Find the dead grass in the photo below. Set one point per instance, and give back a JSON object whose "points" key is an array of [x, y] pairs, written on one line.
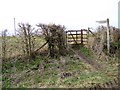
{"points": [[81, 74], [14, 46], [64, 72]]}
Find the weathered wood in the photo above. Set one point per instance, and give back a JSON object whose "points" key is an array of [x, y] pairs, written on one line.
{"points": [[73, 38], [76, 30], [81, 36], [77, 36], [108, 36], [78, 41], [108, 32], [91, 32]]}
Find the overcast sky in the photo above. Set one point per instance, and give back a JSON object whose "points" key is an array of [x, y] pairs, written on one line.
{"points": [[74, 14]]}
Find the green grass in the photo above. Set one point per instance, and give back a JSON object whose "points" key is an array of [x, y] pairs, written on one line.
{"points": [[86, 52], [82, 74]]}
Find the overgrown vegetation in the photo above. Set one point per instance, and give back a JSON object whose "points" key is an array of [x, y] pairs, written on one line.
{"points": [[65, 72], [23, 67], [55, 36], [99, 43]]}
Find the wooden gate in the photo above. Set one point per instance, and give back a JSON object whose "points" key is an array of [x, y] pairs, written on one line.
{"points": [[77, 36]]}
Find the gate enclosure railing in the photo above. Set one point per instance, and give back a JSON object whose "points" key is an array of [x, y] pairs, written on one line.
{"points": [[77, 36]]}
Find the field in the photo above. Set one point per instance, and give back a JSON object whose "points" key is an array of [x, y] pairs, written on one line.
{"points": [[64, 72], [14, 46]]}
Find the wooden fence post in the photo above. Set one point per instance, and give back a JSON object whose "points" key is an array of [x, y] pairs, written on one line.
{"points": [[76, 36], [81, 36], [108, 36], [66, 38]]}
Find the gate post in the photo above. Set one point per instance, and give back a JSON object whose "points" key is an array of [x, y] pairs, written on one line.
{"points": [[66, 38], [81, 36]]}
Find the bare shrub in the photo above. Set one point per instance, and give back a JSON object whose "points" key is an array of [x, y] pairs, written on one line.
{"points": [[27, 39], [55, 36]]}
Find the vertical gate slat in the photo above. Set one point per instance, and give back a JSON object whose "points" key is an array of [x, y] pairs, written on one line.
{"points": [[82, 37], [77, 36]]}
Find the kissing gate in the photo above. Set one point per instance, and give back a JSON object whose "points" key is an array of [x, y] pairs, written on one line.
{"points": [[77, 36]]}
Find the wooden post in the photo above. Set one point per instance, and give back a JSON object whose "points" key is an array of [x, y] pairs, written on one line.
{"points": [[14, 26], [108, 36], [102, 40], [81, 36], [88, 31], [66, 38], [77, 37], [108, 32]]}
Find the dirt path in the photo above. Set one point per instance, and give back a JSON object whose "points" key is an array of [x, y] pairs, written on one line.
{"points": [[84, 59], [111, 85]]}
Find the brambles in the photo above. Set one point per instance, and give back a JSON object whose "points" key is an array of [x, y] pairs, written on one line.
{"points": [[55, 36]]}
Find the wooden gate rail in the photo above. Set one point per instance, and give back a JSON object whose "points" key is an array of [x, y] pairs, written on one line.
{"points": [[77, 36]]}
